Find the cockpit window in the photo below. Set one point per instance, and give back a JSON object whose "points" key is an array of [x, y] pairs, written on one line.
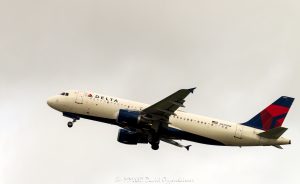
{"points": [[64, 94]]}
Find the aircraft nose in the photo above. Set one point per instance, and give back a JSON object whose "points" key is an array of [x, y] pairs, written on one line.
{"points": [[52, 101]]}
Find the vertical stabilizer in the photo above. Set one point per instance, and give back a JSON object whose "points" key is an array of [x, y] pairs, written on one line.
{"points": [[272, 116]]}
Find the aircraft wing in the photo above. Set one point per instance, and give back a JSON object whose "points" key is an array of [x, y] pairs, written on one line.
{"points": [[162, 110]]}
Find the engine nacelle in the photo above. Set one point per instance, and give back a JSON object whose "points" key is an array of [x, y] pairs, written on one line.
{"points": [[129, 118], [129, 137]]}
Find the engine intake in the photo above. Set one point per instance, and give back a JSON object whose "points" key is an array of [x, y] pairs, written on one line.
{"points": [[130, 118]]}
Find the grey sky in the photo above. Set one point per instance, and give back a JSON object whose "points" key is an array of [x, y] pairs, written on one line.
{"points": [[242, 55]]}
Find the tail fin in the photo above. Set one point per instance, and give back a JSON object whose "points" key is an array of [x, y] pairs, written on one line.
{"points": [[272, 116]]}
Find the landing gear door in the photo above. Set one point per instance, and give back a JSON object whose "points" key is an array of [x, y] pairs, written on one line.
{"points": [[79, 98], [238, 132]]}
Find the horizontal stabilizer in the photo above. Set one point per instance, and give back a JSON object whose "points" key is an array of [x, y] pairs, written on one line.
{"points": [[274, 133], [278, 146]]}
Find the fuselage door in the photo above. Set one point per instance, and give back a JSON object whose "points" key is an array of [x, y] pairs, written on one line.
{"points": [[79, 98], [238, 132]]}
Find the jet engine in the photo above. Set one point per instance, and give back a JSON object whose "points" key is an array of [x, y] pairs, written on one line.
{"points": [[130, 137], [128, 118]]}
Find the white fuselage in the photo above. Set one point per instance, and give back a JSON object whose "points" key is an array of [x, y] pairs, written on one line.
{"points": [[88, 104]]}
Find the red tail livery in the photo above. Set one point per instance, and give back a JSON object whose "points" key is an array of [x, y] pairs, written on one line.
{"points": [[272, 116]]}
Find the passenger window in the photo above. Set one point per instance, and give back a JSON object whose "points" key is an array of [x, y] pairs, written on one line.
{"points": [[67, 94]]}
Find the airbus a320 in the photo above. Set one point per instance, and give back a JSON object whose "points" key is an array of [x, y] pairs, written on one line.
{"points": [[165, 121]]}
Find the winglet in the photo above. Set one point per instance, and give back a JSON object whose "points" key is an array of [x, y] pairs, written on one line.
{"points": [[274, 133], [187, 147], [191, 90]]}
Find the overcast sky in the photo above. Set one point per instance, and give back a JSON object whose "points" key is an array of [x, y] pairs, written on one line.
{"points": [[241, 56]]}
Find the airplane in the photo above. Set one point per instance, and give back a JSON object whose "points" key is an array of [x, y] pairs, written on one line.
{"points": [[165, 121]]}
